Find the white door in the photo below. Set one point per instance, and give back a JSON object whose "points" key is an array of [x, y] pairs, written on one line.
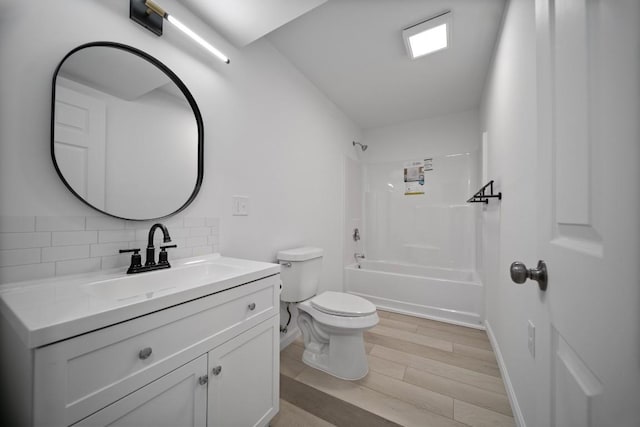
{"points": [[176, 399], [79, 143], [588, 358], [244, 378]]}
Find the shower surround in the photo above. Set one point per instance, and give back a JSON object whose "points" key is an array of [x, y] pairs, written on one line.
{"points": [[421, 249]]}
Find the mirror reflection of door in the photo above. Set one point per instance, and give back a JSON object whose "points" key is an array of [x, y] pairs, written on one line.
{"points": [[79, 129], [127, 135]]}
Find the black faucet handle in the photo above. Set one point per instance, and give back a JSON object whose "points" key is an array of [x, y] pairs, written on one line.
{"points": [[135, 251], [163, 257], [136, 259]]}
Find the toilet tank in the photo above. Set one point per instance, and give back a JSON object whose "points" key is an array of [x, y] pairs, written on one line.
{"points": [[300, 279]]}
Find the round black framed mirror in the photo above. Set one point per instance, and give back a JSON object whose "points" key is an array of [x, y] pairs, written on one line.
{"points": [[126, 134]]}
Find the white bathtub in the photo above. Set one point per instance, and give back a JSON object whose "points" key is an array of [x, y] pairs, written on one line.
{"points": [[453, 296]]}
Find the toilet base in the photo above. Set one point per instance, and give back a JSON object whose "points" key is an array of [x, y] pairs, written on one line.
{"points": [[337, 351]]}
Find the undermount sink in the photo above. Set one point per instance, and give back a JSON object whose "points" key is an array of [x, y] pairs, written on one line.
{"points": [[157, 283]]}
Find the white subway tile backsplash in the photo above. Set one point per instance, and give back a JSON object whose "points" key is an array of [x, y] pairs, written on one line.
{"points": [[61, 253], [180, 241], [196, 241], [24, 240], [139, 224], [60, 223], [138, 244], [194, 222], [19, 257], [174, 222], [17, 224], [116, 261], [77, 266], [27, 272], [45, 246], [142, 244], [199, 231], [141, 234], [104, 223], [180, 232], [109, 236], [180, 252], [202, 250], [66, 238], [107, 249]]}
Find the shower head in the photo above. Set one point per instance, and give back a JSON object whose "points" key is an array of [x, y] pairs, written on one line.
{"points": [[363, 147]]}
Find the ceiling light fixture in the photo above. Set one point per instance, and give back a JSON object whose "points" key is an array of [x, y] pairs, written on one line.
{"points": [[428, 36], [150, 15]]}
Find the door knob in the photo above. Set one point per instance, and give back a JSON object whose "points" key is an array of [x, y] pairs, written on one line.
{"points": [[520, 273]]}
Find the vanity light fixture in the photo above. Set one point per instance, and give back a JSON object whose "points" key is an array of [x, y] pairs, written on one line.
{"points": [[150, 15], [428, 36]]}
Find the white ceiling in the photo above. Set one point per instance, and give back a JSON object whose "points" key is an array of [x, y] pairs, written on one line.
{"points": [[244, 21], [353, 51]]}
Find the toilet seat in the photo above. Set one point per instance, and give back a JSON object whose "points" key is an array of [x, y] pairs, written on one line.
{"points": [[341, 322], [342, 304]]}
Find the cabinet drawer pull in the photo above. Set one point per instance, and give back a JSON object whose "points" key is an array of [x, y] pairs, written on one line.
{"points": [[216, 370], [252, 306], [145, 353], [203, 380]]}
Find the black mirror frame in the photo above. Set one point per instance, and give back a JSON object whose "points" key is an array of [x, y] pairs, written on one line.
{"points": [[175, 79]]}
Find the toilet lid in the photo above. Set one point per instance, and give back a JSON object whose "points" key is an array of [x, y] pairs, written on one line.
{"points": [[342, 304]]}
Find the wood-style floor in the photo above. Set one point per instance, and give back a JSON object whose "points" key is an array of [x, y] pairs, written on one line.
{"points": [[421, 373]]}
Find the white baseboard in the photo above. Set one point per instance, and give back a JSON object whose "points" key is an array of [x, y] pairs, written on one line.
{"points": [[515, 407]]}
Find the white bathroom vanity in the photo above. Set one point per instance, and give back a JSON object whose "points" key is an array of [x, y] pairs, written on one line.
{"points": [[193, 345]]}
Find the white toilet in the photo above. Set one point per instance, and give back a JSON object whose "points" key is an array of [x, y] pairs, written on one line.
{"points": [[332, 323]]}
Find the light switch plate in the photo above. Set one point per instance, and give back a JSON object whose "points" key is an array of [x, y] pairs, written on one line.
{"points": [[240, 205]]}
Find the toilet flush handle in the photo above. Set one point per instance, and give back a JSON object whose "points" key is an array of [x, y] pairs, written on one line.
{"points": [[285, 264]]}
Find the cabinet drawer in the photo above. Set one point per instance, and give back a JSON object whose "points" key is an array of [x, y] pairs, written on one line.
{"points": [[101, 367]]}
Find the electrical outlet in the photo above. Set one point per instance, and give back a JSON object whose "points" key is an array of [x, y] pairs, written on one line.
{"points": [[531, 339], [240, 205]]}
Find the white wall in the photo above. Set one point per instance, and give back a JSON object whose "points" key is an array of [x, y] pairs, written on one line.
{"points": [[509, 117], [269, 133], [438, 227], [435, 136]]}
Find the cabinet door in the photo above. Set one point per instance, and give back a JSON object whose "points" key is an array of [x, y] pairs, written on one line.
{"points": [[244, 378], [176, 399]]}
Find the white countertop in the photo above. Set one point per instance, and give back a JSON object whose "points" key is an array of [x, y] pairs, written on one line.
{"points": [[50, 310]]}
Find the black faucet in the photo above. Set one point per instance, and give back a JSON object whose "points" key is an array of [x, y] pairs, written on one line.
{"points": [[150, 265], [151, 251]]}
